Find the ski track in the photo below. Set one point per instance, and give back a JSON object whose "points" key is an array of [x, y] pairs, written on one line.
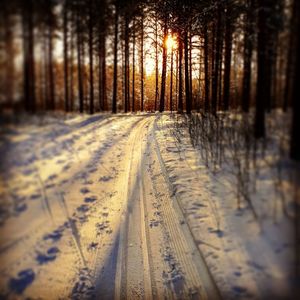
{"points": [[104, 225]]}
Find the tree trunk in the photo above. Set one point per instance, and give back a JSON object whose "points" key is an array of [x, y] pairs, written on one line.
{"points": [[262, 73], [50, 61], [66, 62], [180, 87], [164, 69], [126, 73], [191, 69], [9, 79], [290, 59], [215, 77], [91, 57], [248, 50], [133, 70], [227, 62], [115, 80], [72, 68], [186, 75], [28, 52], [295, 141], [176, 82], [206, 69], [171, 81], [142, 63], [156, 64]]}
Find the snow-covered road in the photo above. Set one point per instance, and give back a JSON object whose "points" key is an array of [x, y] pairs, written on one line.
{"points": [[87, 212]]}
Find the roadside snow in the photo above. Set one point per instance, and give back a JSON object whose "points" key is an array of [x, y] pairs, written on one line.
{"points": [[248, 258]]}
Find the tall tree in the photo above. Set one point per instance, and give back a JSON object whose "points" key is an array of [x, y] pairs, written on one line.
{"points": [[115, 79], [66, 50], [228, 50], [295, 141], [248, 50], [91, 55], [79, 56], [263, 86], [28, 54], [186, 73], [133, 68], [180, 83], [142, 60], [217, 57], [206, 69], [164, 66]]}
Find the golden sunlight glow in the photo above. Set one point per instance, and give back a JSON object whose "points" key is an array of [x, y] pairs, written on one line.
{"points": [[171, 42]]}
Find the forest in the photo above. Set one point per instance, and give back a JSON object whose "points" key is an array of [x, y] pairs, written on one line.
{"points": [[194, 102], [91, 56]]}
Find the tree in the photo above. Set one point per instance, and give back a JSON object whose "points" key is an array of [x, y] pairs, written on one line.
{"points": [[66, 50], [115, 79], [295, 142], [217, 57], [164, 66], [91, 54], [228, 50], [28, 56], [248, 50]]}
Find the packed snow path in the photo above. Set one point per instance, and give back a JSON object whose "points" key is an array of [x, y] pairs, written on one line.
{"points": [[90, 214]]}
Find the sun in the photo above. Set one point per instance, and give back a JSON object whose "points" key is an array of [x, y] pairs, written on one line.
{"points": [[171, 42]]}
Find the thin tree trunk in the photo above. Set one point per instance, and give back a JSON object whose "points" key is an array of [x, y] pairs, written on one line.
{"points": [[28, 50], [227, 63], [191, 69], [142, 63], [66, 62], [176, 82], [186, 68], [79, 62], [72, 69], [50, 60], [295, 141], [9, 57], [115, 80], [91, 57], [164, 69], [156, 64], [262, 85], [248, 50], [180, 87], [215, 77], [133, 70], [206, 69], [126, 73], [171, 81]]}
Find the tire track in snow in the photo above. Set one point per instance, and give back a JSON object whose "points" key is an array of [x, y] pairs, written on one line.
{"points": [[192, 260], [133, 248]]}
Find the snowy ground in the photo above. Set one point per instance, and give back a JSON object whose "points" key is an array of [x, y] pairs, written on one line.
{"points": [[113, 207]]}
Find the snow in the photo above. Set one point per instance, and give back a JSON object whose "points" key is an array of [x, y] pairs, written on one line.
{"points": [[114, 206], [248, 257]]}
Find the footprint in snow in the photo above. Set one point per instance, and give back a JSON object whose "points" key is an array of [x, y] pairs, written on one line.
{"points": [[83, 208], [35, 196], [84, 190], [239, 290], [23, 280], [44, 258], [51, 177], [19, 208], [105, 178], [92, 246], [90, 199], [93, 170], [54, 236]]}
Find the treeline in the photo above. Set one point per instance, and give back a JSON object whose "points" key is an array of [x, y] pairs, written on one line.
{"points": [[92, 55]]}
